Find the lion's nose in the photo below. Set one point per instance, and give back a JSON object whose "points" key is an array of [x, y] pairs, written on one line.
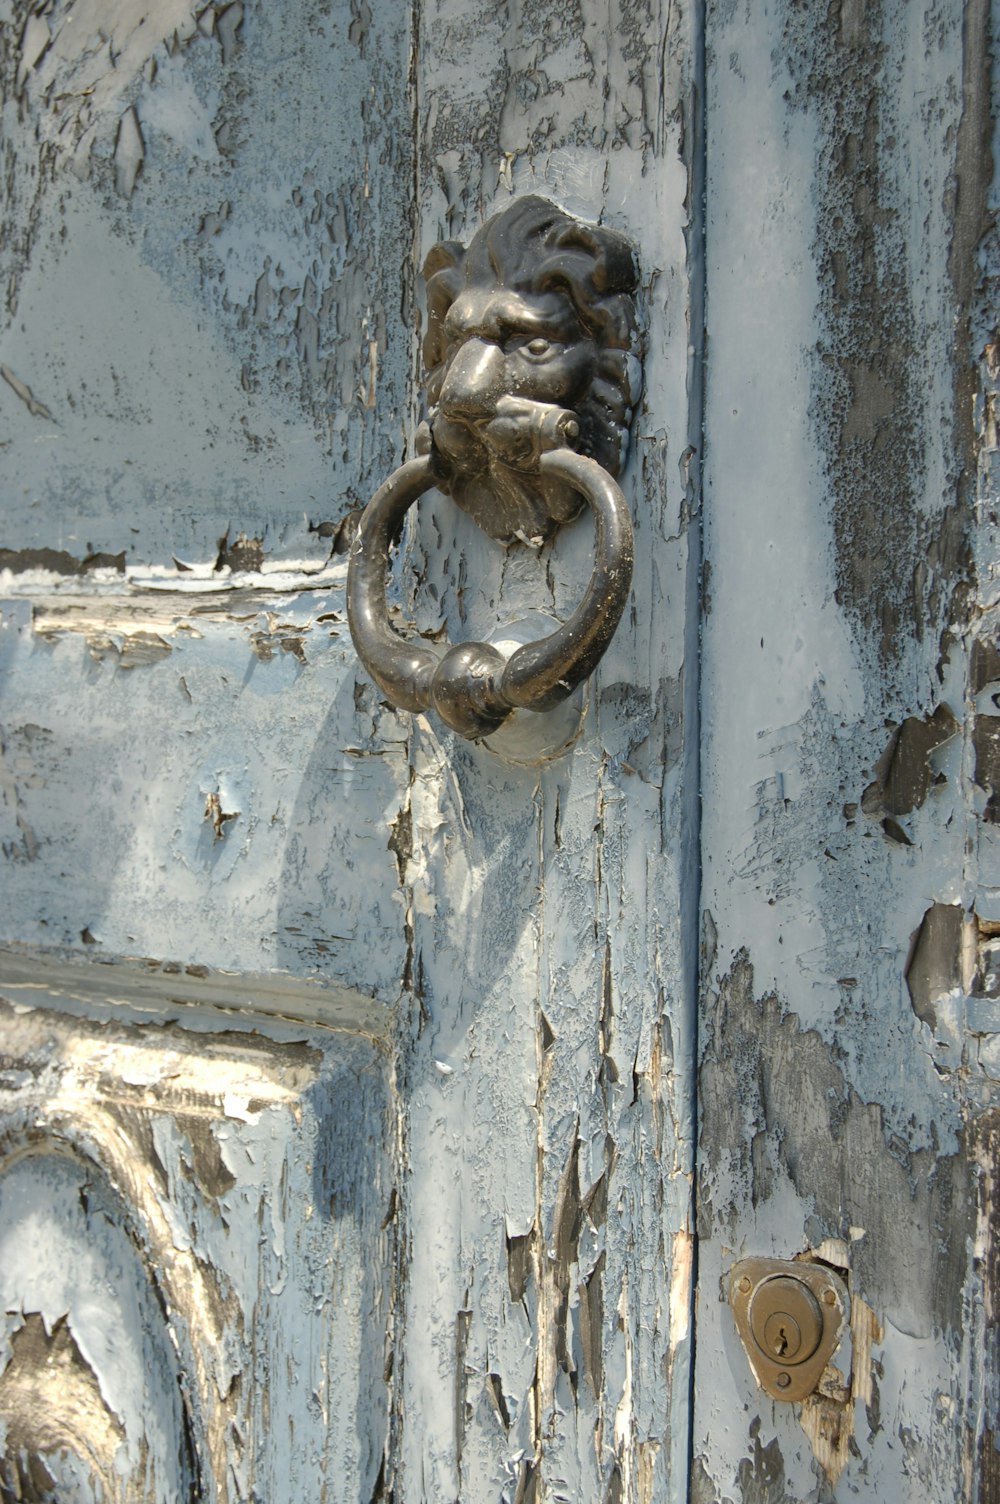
{"points": [[475, 380]]}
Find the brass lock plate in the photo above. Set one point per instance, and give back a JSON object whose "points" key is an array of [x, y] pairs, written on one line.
{"points": [[790, 1317]]}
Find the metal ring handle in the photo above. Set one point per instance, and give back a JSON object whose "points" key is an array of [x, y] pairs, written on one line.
{"points": [[471, 685]]}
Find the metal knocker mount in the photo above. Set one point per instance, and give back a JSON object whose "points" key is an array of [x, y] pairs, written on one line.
{"points": [[532, 377]]}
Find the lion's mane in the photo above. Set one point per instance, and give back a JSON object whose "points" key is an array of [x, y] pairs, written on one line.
{"points": [[534, 247]]}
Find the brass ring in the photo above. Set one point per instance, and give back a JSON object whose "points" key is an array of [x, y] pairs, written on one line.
{"points": [[471, 685]]}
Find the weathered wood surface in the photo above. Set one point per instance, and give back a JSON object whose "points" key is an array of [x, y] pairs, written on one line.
{"points": [[198, 777], [439, 1224], [848, 1041], [548, 1126], [205, 333], [198, 1256], [215, 224]]}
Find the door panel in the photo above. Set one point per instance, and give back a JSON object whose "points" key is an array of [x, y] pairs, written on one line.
{"points": [[206, 334], [198, 1252], [84, 1315], [192, 777]]}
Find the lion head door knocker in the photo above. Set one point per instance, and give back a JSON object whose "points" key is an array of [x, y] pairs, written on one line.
{"points": [[532, 379]]}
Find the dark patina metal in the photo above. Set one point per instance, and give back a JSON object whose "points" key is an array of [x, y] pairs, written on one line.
{"points": [[532, 376]]}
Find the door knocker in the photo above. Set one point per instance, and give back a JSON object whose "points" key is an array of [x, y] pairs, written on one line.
{"points": [[532, 376]]}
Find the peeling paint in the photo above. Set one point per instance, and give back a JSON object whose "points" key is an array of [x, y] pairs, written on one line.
{"points": [[850, 870], [58, 561], [131, 1161], [271, 316], [904, 772], [828, 1416], [986, 743], [938, 962], [217, 816], [129, 153], [895, 571]]}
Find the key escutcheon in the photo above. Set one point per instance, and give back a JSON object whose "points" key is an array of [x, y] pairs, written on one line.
{"points": [[790, 1315]]}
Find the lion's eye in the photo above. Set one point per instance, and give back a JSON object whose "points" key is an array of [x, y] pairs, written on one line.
{"points": [[538, 347]]}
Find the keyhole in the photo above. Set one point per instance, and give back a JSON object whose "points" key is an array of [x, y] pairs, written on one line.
{"points": [[781, 1337]]}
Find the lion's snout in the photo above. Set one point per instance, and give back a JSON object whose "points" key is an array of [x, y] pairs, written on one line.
{"points": [[475, 381]]}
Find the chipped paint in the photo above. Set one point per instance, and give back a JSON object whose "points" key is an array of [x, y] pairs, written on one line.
{"points": [[36, 409], [128, 1159], [255, 837], [849, 877], [362, 1061], [153, 184]]}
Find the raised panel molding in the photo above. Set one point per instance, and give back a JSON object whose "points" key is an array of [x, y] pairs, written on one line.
{"points": [[162, 1197]]}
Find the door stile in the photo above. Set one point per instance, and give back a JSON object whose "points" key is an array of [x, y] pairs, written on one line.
{"points": [[847, 1077], [552, 908]]}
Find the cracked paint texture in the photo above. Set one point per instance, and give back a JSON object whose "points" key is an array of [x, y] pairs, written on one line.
{"points": [[362, 1061], [846, 1083], [214, 826], [235, 182]]}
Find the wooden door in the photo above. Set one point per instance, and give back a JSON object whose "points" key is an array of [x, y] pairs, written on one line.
{"points": [[349, 1143], [347, 1113]]}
